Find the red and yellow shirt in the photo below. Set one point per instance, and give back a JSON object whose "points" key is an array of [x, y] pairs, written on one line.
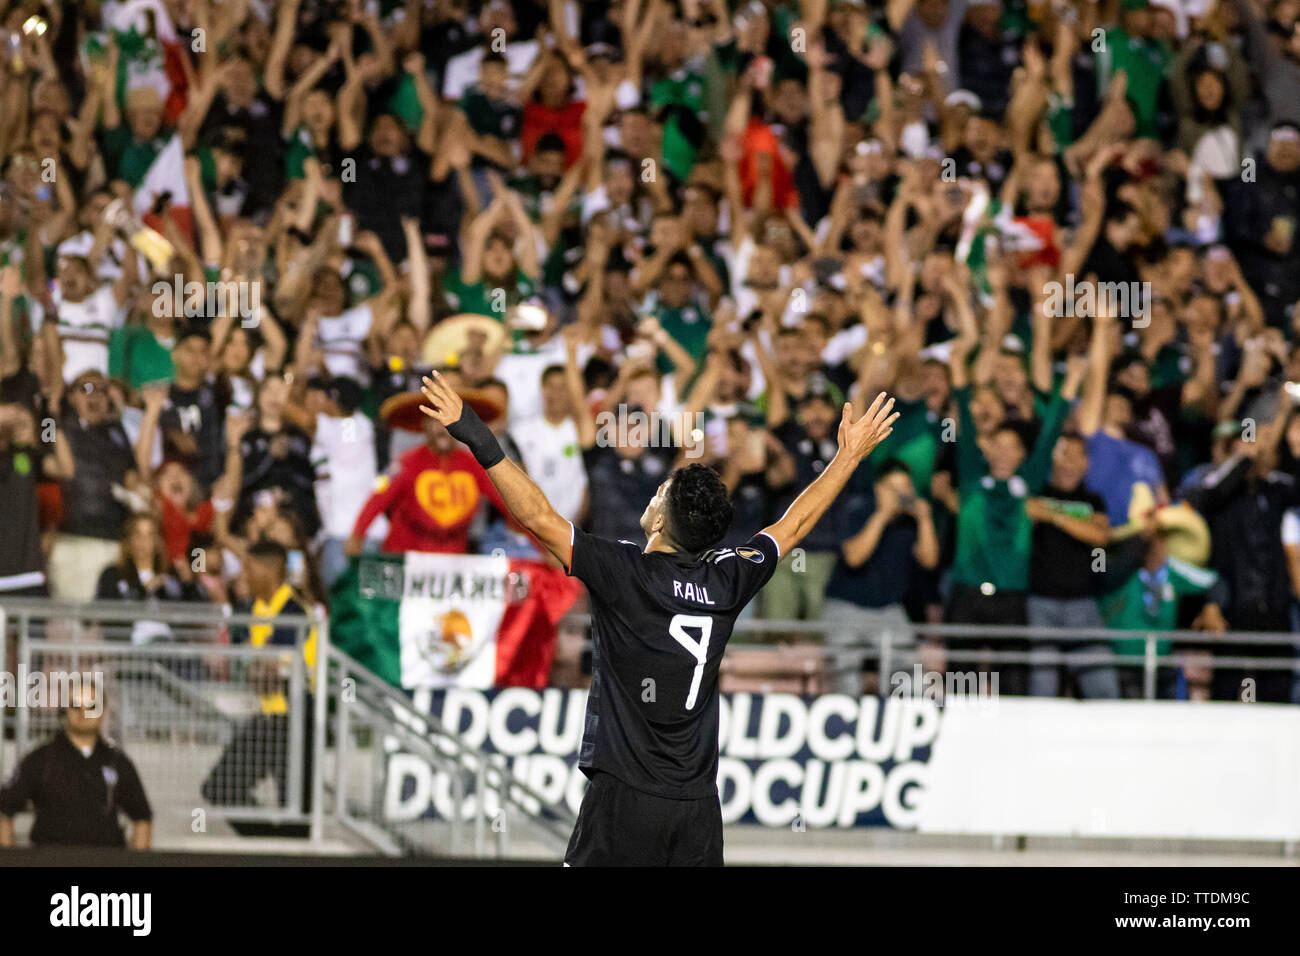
{"points": [[430, 502]]}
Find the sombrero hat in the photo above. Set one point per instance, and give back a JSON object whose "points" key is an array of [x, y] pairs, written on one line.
{"points": [[451, 336], [402, 411], [1185, 532]]}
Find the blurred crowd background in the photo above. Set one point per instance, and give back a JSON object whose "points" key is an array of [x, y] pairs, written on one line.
{"points": [[638, 233]]}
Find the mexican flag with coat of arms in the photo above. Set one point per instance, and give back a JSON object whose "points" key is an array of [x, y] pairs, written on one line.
{"points": [[423, 620]]}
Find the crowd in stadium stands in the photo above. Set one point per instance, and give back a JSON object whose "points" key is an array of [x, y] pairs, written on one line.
{"points": [[1061, 232]]}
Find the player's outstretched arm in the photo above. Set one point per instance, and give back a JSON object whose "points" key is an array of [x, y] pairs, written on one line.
{"points": [[527, 503], [856, 440]]}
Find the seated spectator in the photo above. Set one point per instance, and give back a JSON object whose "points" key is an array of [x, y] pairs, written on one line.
{"points": [[143, 573]]}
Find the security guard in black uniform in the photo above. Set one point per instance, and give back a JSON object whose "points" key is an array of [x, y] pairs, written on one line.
{"points": [[78, 784]]}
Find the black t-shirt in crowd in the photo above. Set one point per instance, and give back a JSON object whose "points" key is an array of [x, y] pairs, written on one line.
{"points": [[660, 623], [810, 458], [857, 80], [118, 583], [77, 797], [884, 578], [1156, 416], [1061, 566], [994, 172], [620, 488], [444, 40], [280, 461], [749, 501], [260, 125], [386, 189], [987, 65], [1111, 264], [197, 412], [102, 457], [21, 563], [22, 388], [385, 382]]}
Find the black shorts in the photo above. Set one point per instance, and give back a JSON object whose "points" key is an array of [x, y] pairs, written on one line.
{"points": [[620, 826]]}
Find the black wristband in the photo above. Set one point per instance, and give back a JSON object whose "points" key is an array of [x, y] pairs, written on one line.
{"points": [[477, 437]]}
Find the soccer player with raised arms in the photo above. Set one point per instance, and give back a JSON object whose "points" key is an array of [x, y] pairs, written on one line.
{"points": [[662, 614]]}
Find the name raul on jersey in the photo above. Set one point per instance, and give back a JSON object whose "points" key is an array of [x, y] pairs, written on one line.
{"points": [[692, 592]]}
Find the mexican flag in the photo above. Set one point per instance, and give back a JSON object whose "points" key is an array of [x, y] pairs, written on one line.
{"points": [[1031, 238], [150, 51], [449, 620], [166, 175]]}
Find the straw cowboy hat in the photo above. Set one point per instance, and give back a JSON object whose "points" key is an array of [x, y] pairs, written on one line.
{"points": [[452, 336], [1185, 532]]}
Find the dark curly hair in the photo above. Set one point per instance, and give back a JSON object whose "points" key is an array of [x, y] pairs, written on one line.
{"points": [[699, 508]]}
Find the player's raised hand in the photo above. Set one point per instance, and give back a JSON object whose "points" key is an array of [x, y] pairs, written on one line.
{"points": [[444, 404], [860, 437]]}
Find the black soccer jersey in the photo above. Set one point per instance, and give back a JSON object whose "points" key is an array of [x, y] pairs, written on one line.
{"points": [[660, 624]]}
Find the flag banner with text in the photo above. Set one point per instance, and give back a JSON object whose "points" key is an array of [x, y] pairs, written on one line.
{"points": [[451, 620]]}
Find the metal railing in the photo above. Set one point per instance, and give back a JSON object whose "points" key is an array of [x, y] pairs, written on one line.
{"points": [[898, 645], [215, 729], [373, 724], [235, 732]]}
